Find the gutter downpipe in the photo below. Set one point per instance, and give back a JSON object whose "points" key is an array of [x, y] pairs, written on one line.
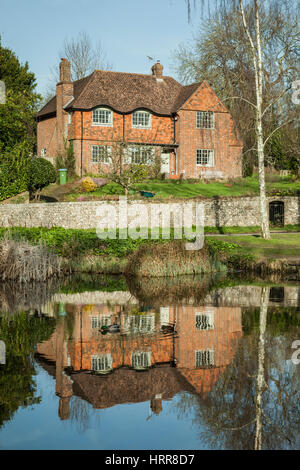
{"points": [[81, 144]]}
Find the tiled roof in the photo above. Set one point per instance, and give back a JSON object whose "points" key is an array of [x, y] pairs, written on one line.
{"points": [[125, 92]]}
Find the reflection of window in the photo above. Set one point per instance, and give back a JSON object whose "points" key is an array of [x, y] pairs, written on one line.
{"points": [[140, 359], [140, 323], [204, 321], [164, 315], [97, 322], [204, 358], [102, 362]]}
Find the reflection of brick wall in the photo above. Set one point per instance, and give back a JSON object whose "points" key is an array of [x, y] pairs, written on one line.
{"points": [[221, 339], [87, 342], [120, 346]]}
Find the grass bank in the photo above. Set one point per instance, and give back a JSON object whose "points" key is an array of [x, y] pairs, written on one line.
{"points": [[175, 189], [82, 251]]}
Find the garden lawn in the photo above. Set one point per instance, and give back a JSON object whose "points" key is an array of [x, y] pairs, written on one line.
{"points": [[281, 245], [175, 189]]}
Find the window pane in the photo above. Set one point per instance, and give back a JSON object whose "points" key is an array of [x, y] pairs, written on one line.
{"points": [[205, 157], [141, 156], [102, 116], [205, 120], [141, 119], [100, 153]]}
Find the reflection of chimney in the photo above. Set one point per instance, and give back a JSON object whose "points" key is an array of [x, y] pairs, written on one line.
{"points": [[63, 382], [156, 404], [64, 408], [157, 70]]}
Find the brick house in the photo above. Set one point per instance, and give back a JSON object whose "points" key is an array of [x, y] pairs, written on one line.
{"points": [[186, 127]]}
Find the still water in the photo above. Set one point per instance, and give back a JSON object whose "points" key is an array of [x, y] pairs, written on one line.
{"points": [[193, 363]]}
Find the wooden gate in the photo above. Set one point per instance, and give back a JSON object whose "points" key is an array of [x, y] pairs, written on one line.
{"points": [[276, 213]]}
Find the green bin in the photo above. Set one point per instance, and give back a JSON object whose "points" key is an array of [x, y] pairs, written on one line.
{"points": [[62, 175]]}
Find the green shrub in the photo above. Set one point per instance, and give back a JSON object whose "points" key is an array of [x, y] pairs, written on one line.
{"points": [[67, 160], [14, 170], [42, 173]]}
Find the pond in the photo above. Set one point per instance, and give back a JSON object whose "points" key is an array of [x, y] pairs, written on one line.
{"points": [[191, 363]]}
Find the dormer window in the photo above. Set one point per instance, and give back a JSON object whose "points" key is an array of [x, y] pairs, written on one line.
{"points": [[141, 119], [102, 117], [205, 120]]}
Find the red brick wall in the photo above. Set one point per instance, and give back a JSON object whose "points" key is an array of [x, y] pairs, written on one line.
{"points": [[46, 136], [223, 139]]}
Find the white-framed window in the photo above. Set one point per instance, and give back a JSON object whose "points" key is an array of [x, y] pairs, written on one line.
{"points": [[205, 157], [103, 320], [141, 119], [102, 362], [204, 358], [140, 323], [101, 153], [205, 120], [141, 359], [69, 118], [102, 117], [140, 155], [43, 152], [204, 320]]}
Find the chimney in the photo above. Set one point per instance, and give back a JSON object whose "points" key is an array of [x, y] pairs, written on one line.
{"points": [[64, 94], [157, 70], [64, 71]]}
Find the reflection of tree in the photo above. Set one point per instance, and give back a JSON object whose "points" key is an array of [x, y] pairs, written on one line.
{"points": [[17, 386], [255, 404], [80, 413]]}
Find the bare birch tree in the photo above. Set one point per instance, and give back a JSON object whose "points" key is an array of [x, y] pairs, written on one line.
{"points": [[84, 57], [254, 40]]}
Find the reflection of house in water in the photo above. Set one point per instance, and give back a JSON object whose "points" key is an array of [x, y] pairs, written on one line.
{"points": [[135, 365]]}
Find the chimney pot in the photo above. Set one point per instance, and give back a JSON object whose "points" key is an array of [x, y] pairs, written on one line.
{"points": [[157, 70]]}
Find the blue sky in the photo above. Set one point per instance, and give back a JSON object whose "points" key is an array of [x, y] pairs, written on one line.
{"points": [[129, 30]]}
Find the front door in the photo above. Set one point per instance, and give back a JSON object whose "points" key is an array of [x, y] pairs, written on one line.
{"points": [[165, 163]]}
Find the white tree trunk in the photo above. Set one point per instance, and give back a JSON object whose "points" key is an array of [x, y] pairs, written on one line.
{"points": [[257, 63], [259, 133]]}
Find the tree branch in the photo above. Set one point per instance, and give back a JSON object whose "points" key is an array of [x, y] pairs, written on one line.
{"points": [[277, 128]]}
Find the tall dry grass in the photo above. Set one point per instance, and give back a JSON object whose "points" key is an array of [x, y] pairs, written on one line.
{"points": [[22, 262], [169, 259]]}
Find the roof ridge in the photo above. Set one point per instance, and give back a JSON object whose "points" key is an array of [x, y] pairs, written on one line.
{"points": [[136, 73]]}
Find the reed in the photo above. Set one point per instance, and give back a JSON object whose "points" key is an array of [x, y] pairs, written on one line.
{"points": [[23, 263]]}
